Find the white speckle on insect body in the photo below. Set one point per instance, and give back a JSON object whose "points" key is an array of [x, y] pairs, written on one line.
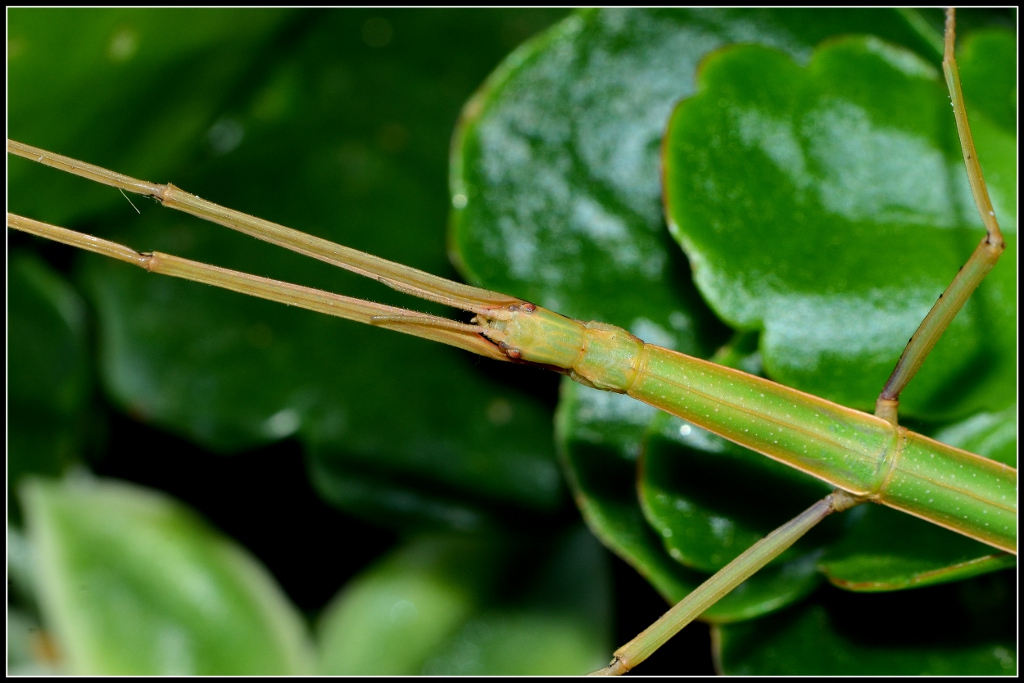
{"points": [[459, 201]]}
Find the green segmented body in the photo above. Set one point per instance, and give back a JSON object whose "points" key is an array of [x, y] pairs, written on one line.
{"points": [[852, 450]]}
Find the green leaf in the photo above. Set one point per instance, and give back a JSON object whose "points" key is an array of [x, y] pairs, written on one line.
{"points": [[993, 435], [49, 380], [401, 464], [887, 550], [132, 582], [468, 605], [555, 178], [25, 640], [599, 438], [390, 619], [709, 500], [828, 206], [573, 121], [556, 199], [957, 629]]}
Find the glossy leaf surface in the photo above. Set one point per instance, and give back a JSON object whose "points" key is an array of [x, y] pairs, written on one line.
{"points": [[555, 178], [566, 125], [856, 155]]}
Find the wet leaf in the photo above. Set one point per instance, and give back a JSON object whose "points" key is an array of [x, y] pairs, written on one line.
{"points": [[862, 257]]}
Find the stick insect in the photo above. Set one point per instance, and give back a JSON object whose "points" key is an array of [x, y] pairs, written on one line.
{"points": [[498, 333]]}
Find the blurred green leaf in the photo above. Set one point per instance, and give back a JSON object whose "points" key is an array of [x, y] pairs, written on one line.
{"points": [[25, 640], [473, 606], [132, 582], [49, 379]]}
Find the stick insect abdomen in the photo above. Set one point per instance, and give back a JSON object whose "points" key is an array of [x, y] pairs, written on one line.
{"points": [[845, 447], [854, 451], [956, 489], [859, 453]]}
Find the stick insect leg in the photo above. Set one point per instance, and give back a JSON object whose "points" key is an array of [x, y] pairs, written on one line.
{"points": [[972, 273], [724, 581], [424, 325], [395, 275]]}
